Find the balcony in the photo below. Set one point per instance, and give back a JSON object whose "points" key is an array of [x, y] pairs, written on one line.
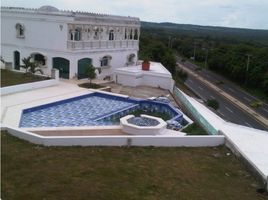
{"points": [[98, 45]]}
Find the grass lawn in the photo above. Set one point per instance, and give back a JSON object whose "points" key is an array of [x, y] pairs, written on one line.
{"points": [[9, 78], [36, 172]]}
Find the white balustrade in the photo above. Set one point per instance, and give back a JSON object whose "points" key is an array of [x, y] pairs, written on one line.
{"points": [[102, 44]]}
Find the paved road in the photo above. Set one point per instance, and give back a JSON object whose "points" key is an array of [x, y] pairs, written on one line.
{"points": [[227, 110], [229, 88]]}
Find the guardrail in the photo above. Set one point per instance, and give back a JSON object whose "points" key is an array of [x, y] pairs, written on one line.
{"points": [[195, 113]]}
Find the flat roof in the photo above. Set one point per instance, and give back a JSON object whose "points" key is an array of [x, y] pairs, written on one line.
{"points": [[156, 68]]}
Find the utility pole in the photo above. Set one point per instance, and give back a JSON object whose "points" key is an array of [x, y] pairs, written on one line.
{"points": [[194, 50], [248, 55], [247, 68], [171, 42], [206, 60]]}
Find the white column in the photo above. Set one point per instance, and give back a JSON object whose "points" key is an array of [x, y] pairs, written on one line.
{"points": [[73, 68], [49, 64]]}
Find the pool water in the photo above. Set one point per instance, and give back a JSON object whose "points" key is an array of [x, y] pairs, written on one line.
{"points": [[93, 109], [143, 121]]}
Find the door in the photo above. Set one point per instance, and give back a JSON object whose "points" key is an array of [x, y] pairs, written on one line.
{"points": [[63, 65], [16, 60], [82, 67]]}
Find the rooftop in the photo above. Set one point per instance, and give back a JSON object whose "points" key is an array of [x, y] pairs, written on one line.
{"points": [[79, 15], [156, 68]]}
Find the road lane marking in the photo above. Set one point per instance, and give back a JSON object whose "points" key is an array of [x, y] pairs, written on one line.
{"points": [[247, 99], [221, 113], [248, 124], [265, 110], [212, 97], [230, 89], [200, 88], [229, 109]]}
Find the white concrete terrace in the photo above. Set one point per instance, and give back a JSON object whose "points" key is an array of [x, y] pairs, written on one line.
{"points": [[156, 76]]}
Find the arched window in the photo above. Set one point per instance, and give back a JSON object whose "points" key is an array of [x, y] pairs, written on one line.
{"points": [[96, 33], [39, 58], [20, 30], [125, 34], [136, 34], [105, 61], [130, 35], [130, 59], [77, 34], [71, 37], [111, 35]]}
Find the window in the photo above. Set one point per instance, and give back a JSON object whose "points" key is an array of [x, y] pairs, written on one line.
{"points": [[20, 30], [125, 34], [136, 34], [96, 33], [130, 35], [71, 37], [111, 35], [130, 59], [105, 61], [39, 58], [77, 34]]}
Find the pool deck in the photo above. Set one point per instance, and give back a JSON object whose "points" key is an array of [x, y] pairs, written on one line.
{"points": [[82, 132], [13, 104], [251, 143]]}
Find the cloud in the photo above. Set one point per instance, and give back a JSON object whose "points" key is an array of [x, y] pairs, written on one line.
{"points": [[239, 13]]}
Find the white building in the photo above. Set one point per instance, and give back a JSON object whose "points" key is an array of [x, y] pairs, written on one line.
{"points": [[68, 40]]}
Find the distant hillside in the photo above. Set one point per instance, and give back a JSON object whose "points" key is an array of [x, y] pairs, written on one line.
{"points": [[213, 32]]}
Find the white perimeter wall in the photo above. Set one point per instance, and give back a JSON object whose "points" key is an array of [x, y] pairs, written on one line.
{"points": [[160, 141], [145, 79], [28, 86]]}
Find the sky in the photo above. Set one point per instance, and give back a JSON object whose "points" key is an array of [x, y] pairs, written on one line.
{"points": [[229, 13]]}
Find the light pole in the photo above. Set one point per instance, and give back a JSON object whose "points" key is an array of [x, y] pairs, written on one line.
{"points": [[193, 58], [206, 60], [170, 41], [247, 68]]}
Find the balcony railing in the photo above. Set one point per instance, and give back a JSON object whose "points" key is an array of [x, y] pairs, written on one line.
{"points": [[94, 45]]}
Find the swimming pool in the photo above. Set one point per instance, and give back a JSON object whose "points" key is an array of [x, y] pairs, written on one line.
{"points": [[94, 109]]}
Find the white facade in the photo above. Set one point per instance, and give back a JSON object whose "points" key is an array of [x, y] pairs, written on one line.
{"points": [[60, 39]]}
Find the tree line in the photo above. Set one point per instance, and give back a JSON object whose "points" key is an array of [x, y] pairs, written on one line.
{"points": [[240, 59]]}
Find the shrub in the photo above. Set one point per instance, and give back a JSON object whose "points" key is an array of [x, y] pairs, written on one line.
{"points": [[180, 74], [213, 103], [256, 104]]}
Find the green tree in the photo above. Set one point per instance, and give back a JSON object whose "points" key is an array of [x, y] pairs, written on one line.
{"points": [[91, 74], [31, 66], [213, 103]]}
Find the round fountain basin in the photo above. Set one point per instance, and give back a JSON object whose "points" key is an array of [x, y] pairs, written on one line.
{"points": [[143, 125], [143, 121]]}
